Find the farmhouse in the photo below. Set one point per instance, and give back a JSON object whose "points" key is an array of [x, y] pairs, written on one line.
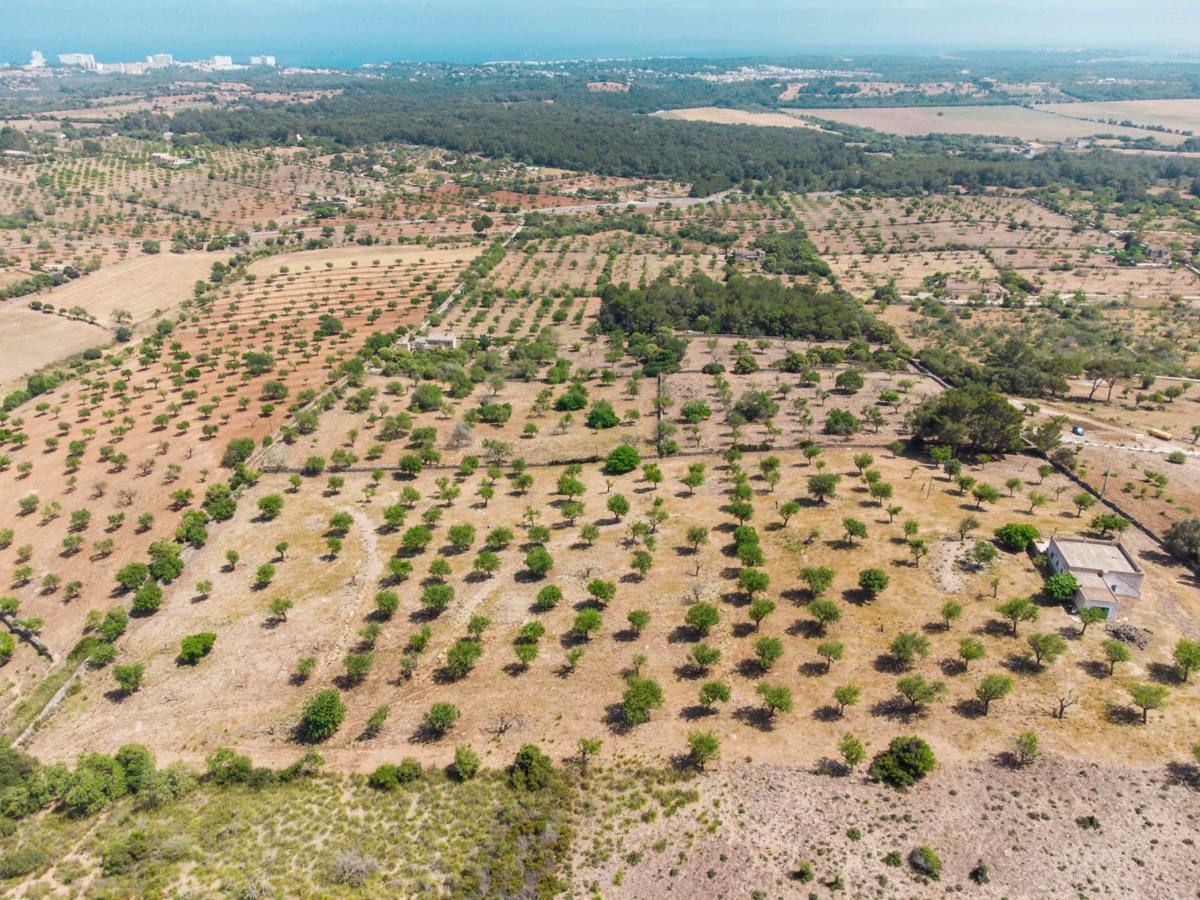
{"points": [[171, 161], [434, 340], [1160, 254], [1105, 570], [748, 255], [990, 291]]}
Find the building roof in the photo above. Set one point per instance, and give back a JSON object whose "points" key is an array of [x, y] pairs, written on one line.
{"points": [[1091, 555], [975, 287], [1094, 589]]}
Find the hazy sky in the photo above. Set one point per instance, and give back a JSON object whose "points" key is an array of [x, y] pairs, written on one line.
{"points": [[351, 31]]}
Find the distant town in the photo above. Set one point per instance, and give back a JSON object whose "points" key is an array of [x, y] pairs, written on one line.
{"points": [[87, 62]]}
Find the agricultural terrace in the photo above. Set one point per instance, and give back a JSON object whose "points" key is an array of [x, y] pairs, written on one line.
{"points": [[420, 537], [106, 462], [870, 242]]}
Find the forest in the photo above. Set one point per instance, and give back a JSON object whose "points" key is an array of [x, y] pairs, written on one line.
{"points": [[742, 305], [503, 119]]}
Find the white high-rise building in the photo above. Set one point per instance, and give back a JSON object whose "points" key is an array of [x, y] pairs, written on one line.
{"points": [[83, 60], [262, 61], [221, 62], [160, 60], [36, 60]]}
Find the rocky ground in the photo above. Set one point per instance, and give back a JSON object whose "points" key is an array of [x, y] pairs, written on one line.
{"points": [[1059, 827]]}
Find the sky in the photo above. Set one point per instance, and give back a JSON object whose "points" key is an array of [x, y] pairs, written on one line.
{"points": [[351, 32]]}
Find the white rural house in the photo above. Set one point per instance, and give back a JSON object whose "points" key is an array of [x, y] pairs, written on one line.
{"points": [[434, 340], [1105, 570]]}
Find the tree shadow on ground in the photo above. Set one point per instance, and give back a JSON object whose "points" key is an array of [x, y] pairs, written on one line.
{"points": [[614, 719], [969, 708], [1094, 668], [888, 664], [827, 713], [1022, 664], [1118, 714], [951, 666], [897, 709], [1163, 673], [1184, 773], [756, 717], [808, 628]]}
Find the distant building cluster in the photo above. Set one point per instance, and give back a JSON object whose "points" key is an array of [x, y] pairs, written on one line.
{"points": [[88, 63]]}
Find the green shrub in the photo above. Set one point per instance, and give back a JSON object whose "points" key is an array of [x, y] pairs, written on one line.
{"points": [[622, 459], [1061, 586], [409, 770], [128, 678], [440, 718], [641, 696], [925, 862], [237, 451], [1016, 536], [195, 647], [466, 763], [532, 770], [602, 415], [462, 656], [386, 777], [224, 766], [113, 625], [125, 851], [147, 599], [323, 715], [23, 861], [906, 761]]}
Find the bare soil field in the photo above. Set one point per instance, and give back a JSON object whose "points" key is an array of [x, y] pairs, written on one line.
{"points": [[745, 830], [1008, 121], [365, 258], [860, 273], [32, 339], [143, 286], [722, 116]]}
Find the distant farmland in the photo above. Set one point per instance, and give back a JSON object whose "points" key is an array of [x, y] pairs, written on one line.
{"points": [[1182, 115], [1007, 121], [722, 116]]}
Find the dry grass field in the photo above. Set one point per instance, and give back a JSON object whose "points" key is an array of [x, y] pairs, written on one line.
{"points": [[1178, 115], [723, 116], [749, 828], [144, 286], [1030, 124], [35, 339]]}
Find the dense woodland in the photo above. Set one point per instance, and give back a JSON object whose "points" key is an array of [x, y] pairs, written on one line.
{"points": [[513, 120], [739, 305]]}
